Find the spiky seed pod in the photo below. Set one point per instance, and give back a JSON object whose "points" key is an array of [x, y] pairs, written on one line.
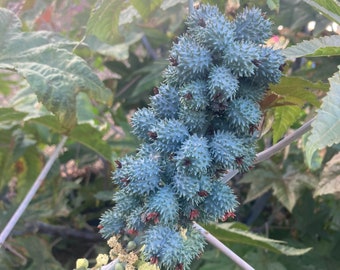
{"points": [[121, 175], [194, 244], [189, 187], [193, 60], [193, 158], [204, 13], [165, 203], [250, 89], [211, 29], [111, 222], [195, 121], [166, 103], [269, 66], [171, 133], [125, 203], [142, 122], [165, 244], [251, 25], [221, 200], [144, 176], [134, 220], [241, 58], [222, 84], [225, 147], [242, 113], [193, 95]]}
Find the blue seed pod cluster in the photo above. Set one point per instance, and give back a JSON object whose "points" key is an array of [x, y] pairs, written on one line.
{"points": [[201, 122]]}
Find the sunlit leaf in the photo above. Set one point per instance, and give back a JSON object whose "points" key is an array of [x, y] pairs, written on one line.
{"points": [[273, 4], [300, 89], [284, 117], [326, 126], [95, 142], [330, 9], [324, 46], [145, 7], [289, 188], [226, 233], [104, 21], [9, 114], [54, 74], [330, 178], [169, 3]]}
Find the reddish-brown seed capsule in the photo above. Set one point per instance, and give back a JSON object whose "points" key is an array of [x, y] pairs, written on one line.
{"points": [[173, 61], [186, 162], [119, 164], [201, 22], [256, 62], [154, 260], [228, 215], [152, 135], [281, 68], [203, 193], [153, 216], [239, 160], [179, 266], [252, 129], [155, 90], [188, 96], [194, 213], [132, 232]]}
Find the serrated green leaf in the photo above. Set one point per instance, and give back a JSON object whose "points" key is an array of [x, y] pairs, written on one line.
{"points": [[260, 179], [288, 189], [273, 4], [326, 126], [169, 3], [49, 121], [329, 8], [95, 142], [284, 117], [324, 46], [104, 21], [9, 114], [54, 74], [330, 178], [146, 7], [226, 234], [299, 89]]}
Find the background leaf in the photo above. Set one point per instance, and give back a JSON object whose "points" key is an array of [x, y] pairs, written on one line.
{"points": [[54, 74], [226, 232], [330, 9], [145, 7], [284, 117], [330, 178], [324, 46], [326, 126], [95, 142], [104, 21]]}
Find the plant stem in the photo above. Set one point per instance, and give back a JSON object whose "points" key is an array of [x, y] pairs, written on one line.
{"points": [[266, 154], [29, 196], [109, 265], [148, 48], [216, 243], [191, 6]]}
